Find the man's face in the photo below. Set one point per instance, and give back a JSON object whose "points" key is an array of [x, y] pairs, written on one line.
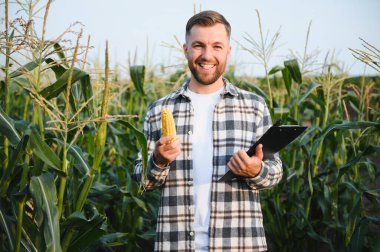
{"points": [[207, 50]]}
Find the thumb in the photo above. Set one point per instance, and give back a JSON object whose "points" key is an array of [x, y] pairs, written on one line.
{"points": [[259, 152]]}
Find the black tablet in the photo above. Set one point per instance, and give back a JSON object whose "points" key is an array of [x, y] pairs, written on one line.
{"points": [[273, 140]]}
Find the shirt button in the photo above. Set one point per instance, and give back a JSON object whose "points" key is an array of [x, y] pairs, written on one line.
{"points": [[191, 233], [190, 132], [189, 182], [189, 157]]}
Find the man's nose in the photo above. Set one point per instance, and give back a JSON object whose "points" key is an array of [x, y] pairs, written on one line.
{"points": [[207, 53]]}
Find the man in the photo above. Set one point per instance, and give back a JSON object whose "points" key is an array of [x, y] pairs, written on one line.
{"points": [[216, 123]]}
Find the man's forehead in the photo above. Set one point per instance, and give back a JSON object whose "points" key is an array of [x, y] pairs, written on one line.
{"points": [[199, 32]]}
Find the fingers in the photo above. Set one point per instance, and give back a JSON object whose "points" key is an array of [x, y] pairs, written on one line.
{"points": [[259, 152], [238, 162], [164, 152], [164, 140], [243, 165]]}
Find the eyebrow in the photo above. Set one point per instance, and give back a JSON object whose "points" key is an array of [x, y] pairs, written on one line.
{"points": [[200, 42]]}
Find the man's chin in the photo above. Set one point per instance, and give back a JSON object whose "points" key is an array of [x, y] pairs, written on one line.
{"points": [[206, 81]]}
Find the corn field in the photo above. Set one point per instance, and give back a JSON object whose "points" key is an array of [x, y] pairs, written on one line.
{"points": [[70, 132]]}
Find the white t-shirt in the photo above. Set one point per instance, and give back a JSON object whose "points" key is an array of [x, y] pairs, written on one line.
{"points": [[202, 141]]}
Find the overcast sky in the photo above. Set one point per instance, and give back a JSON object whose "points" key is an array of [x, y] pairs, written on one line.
{"points": [[127, 25]]}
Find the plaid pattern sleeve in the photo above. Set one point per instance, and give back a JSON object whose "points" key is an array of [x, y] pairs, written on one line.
{"points": [[236, 222], [271, 170], [155, 176]]}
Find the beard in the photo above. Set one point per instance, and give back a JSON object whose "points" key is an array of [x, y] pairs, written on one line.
{"points": [[206, 78]]}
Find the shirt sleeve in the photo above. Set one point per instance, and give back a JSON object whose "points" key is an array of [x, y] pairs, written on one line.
{"points": [[271, 169], [153, 176]]}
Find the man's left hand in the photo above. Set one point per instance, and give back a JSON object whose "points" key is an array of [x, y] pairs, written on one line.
{"points": [[245, 166]]}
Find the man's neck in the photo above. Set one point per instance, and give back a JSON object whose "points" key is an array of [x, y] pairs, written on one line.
{"points": [[205, 89]]}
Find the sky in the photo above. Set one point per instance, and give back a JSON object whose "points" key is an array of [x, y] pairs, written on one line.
{"points": [[131, 26]]}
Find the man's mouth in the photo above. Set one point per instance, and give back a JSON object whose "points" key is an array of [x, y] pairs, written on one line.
{"points": [[206, 66]]}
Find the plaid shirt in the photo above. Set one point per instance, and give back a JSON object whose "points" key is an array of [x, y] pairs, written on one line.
{"points": [[236, 222]]}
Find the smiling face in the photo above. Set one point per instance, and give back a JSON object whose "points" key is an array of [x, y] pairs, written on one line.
{"points": [[207, 49]]}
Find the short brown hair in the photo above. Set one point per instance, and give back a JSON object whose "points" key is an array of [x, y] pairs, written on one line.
{"points": [[207, 18]]}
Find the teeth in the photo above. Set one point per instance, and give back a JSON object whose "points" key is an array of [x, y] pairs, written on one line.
{"points": [[205, 66]]}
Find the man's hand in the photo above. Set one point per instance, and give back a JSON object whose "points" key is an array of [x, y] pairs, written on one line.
{"points": [[164, 152], [243, 165]]}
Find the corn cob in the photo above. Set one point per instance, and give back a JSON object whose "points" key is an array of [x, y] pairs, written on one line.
{"points": [[168, 126]]}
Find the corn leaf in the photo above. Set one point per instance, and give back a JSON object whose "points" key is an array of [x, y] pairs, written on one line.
{"points": [[357, 241], [42, 189], [312, 86], [80, 161], [5, 225], [57, 69], [24, 69], [7, 128], [256, 89], [115, 239], [352, 220], [90, 229], [140, 203], [341, 126], [87, 92], [137, 74], [60, 53], [141, 139], [60, 85], [6, 178], [294, 69], [287, 79], [275, 69], [43, 151]]}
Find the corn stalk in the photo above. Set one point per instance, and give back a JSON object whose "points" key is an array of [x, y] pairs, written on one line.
{"points": [[100, 140]]}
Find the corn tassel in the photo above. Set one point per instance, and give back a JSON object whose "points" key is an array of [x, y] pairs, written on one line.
{"points": [[168, 126]]}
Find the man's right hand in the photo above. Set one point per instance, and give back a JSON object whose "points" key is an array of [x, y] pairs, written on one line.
{"points": [[164, 152]]}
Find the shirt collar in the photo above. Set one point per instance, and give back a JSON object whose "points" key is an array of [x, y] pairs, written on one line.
{"points": [[228, 89]]}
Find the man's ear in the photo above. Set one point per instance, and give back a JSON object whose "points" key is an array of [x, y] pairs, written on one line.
{"points": [[229, 52], [185, 50]]}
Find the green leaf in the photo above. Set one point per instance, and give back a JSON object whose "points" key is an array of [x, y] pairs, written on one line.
{"points": [[357, 240], [148, 235], [275, 70], [287, 80], [20, 81], [60, 53], [57, 69], [140, 203], [115, 239], [60, 85], [87, 92], [90, 229], [345, 168], [6, 229], [352, 219], [44, 152], [373, 195], [374, 219], [137, 74], [103, 192], [256, 89], [141, 139], [342, 125], [7, 128], [79, 157], [42, 189], [294, 69], [24, 69], [310, 89], [6, 178]]}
